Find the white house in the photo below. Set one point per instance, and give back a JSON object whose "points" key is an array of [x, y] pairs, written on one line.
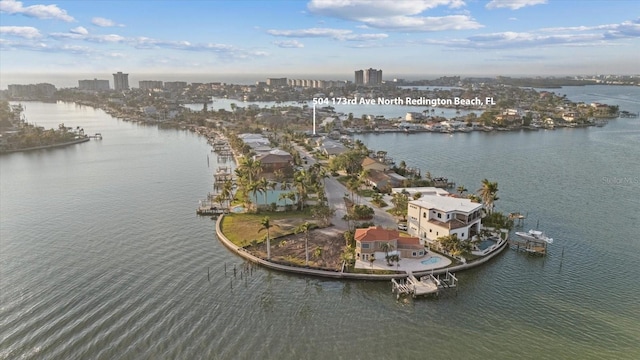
{"points": [[433, 216]]}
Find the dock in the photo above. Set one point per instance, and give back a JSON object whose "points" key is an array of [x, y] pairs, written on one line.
{"points": [[534, 247], [426, 285], [210, 211], [97, 136]]}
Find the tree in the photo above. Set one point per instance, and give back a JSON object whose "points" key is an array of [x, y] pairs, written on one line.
{"points": [[304, 228], [400, 203], [254, 188], [488, 194], [249, 168], [263, 186], [461, 189], [453, 245], [300, 180], [386, 247], [266, 225]]}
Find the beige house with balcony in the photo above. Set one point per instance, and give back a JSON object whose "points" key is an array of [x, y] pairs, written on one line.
{"points": [[433, 216]]}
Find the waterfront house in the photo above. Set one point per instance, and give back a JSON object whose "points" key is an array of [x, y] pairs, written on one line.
{"points": [[371, 164], [370, 241], [433, 216], [332, 148], [382, 180], [274, 160]]}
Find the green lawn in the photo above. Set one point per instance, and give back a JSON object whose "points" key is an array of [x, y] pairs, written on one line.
{"points": [[241, 229]]}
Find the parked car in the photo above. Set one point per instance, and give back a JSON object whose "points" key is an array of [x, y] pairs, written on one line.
{"points": [[403, 226]]}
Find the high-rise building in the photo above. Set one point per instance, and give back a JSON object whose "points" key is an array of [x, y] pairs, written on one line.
{"points": [[120, 81], [277, 81], [149, 84], [94, 85], [359, 77], [372, 77]]}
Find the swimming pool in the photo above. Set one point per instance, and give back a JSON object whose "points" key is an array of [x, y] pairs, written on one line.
{"points": [[430, 260], [238, 209], [485, 244]]}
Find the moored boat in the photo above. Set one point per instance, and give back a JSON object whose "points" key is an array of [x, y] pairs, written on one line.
{"points": [[534, 235]]}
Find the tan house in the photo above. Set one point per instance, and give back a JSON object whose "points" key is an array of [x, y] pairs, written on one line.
{"points": [[369, 163], [369, 242]]}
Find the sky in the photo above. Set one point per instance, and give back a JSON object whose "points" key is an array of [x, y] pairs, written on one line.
{"points": [[327, 38]]}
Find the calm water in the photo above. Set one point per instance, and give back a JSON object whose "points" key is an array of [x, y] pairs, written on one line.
{"points": [[102, 256]]}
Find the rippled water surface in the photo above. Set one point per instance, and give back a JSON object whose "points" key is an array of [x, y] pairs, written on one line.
{"points": [[103, 257]]}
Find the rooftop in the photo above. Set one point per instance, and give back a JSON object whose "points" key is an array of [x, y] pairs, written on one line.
{"points": [[446, 203]]}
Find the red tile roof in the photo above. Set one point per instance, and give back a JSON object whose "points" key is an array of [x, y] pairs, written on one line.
{"points": [[376, 233]]}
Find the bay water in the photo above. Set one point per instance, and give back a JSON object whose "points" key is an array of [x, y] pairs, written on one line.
{"points": [[103, 257]]}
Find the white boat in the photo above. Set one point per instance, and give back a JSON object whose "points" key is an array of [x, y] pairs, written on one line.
{"points": [[535, 235]]}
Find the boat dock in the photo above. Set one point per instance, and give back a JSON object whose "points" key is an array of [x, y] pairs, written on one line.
{"points": [[536, 247], [426, 285], [97, 136]]}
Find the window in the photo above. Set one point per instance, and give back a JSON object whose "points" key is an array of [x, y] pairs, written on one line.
{"points": [[448, 216], [430, 230], [437, 233], [365, 245], [424, 215], [439, 216], [462, 236], [414, 253]]}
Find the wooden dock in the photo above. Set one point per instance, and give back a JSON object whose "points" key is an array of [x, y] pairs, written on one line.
{"points": [[535, 247], [426, 285]]}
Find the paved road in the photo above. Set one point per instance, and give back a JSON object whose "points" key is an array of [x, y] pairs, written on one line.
{"points": [[335, 196]]}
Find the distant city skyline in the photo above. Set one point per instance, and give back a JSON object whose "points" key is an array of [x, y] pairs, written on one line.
{"points": [[420, 38]]}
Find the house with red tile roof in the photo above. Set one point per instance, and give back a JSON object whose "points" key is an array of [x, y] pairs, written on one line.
{"points": [[369, 242]]}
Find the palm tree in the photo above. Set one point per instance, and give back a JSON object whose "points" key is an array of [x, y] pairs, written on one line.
{"points": [[266, 224], [301, 182], [254, 188], [227, 192], [263, 185], [386, 247], [304, 228], [461, 189], [488, 193], [249, 168]]}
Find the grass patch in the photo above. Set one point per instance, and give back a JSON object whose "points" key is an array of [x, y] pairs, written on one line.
{"points": [[374, 271], [366, 192], [242, 229]]}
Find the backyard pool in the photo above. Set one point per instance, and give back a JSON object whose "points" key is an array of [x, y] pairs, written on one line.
{"points": [[430, 260], [485, 244]]}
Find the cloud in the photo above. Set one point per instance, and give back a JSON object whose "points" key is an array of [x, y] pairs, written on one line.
{"points": [[79, 30], [600, 35], [222, 50], [425, 24], [289, 44], [513, 4], [336, 34], [26, 32], [398, 15], [36, 11], [44, 47], [103, 22], [624, 29], [358, 9]]}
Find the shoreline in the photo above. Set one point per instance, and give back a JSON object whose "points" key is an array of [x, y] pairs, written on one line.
{"points": [[44, 147], [240, 251]]}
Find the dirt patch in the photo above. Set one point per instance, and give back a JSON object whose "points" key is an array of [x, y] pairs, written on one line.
{"points": [[325, 247]]}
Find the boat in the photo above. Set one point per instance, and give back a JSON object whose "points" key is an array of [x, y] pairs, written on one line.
{"points": [[535, 235]]}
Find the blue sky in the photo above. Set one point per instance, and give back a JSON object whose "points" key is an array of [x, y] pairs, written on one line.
{"points": [[324, 37]]}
